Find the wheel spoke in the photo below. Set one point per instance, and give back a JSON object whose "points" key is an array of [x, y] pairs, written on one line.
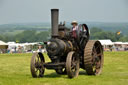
{"points": [[98, 65], [100, 54], [94, 51], [97, 47], [94, 48], [96, 55], [73, 59], [36, 64]]}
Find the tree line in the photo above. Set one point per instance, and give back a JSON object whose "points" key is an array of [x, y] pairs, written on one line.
{"points": [[27, 36], [34, 36], [96, 33]]}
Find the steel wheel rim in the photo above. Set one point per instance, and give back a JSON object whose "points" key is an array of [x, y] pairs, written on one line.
{"points": [[37, 68], [72, 65], [96, 60]]}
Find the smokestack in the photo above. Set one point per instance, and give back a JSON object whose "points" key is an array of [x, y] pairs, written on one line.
{"points": [[54, 22]]}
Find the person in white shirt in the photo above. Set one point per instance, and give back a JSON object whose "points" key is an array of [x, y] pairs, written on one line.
{"points": [[41, 49], [74, 28]]}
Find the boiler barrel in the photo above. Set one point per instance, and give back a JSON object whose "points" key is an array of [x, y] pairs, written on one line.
{"points": [[57, 47]]}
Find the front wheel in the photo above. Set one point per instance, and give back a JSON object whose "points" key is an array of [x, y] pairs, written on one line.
{"points": [[37, 65], [72, 64]]}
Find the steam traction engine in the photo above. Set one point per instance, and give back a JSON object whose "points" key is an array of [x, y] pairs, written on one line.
{"points": [[68, 54]]}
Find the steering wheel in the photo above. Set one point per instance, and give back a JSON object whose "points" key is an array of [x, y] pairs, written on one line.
{"points": [[81, 39], [78, 33]]}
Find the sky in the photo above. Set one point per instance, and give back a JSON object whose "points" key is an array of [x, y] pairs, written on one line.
{"points": [[31, 11]]}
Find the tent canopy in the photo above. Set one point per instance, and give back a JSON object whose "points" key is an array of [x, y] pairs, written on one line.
{"points": [[3, 45], [106, 42], [121, 43]]}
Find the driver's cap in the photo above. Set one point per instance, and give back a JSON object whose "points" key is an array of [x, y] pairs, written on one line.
{"points": [[74, 22]]}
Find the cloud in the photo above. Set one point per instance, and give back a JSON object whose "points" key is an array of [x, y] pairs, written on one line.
{"points": [[12, 11], [125, 2], [1, 2]]}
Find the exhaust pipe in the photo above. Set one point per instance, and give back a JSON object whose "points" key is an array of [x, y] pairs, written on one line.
{"points": [[54, 22]]}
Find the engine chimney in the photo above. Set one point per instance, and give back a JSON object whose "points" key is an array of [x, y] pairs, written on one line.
{"points": [[54, 22]]}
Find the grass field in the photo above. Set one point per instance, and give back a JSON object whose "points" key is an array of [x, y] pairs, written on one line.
{"points": [[15, 70]]}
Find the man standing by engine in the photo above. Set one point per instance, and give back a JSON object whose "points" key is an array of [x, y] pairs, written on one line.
{"points": [[74, 28]]}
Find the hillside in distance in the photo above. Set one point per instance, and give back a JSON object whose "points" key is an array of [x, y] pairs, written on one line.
{"points": [[20, 27], [113, 27]]}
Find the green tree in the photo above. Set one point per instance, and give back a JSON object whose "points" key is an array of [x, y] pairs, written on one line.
{"points": [[26, 36]]}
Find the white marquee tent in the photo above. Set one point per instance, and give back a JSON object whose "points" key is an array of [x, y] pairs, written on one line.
{"points": [[3, 45], [106, 42]]}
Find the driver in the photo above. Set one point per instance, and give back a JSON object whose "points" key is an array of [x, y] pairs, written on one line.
{"points": [[74, 28]]}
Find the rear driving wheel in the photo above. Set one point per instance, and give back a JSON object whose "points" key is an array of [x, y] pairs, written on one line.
{"points": [[93, 57], [72, 64]]}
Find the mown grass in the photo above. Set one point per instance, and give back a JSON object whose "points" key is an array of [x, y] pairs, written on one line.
{"points": [[15, 70]]}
